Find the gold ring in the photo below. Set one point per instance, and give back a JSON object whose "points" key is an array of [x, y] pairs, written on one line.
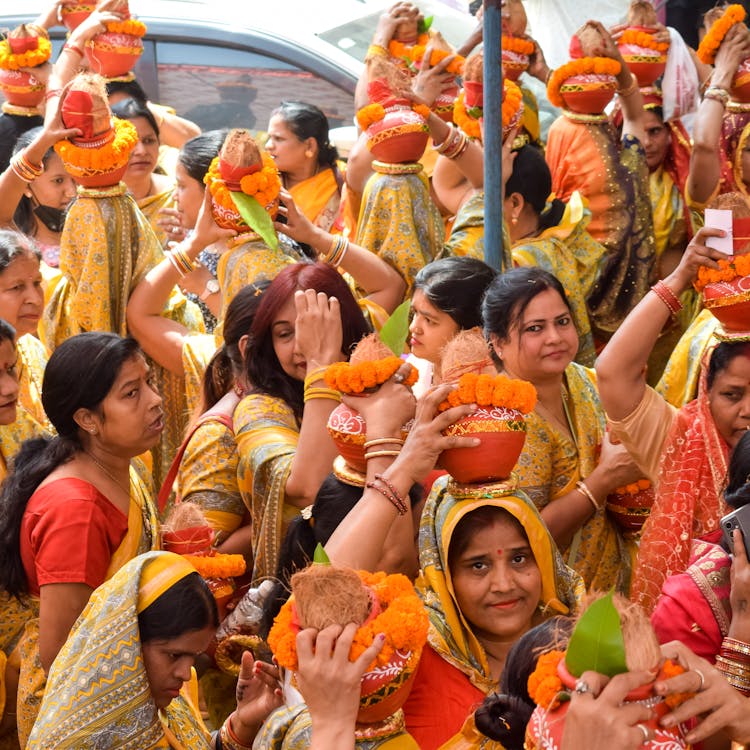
{"points": [[646, 733]]}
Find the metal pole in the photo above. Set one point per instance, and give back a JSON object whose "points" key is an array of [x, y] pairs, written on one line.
{"points": [[493, 136]]}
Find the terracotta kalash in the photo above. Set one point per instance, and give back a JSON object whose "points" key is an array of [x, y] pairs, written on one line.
{"points": [[587, 83], [325, 594], [73, 13], [517, 47], [98, 157], [646, 57], [27, 46], [114, 52], [709, 46], [612, 636]]}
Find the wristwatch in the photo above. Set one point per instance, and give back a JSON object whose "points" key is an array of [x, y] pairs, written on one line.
{"points": [[212, 286]]}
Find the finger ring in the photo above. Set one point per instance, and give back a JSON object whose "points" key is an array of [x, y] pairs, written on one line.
{"points": [[582, 687], [398, 377], [702, 678], [646, 733]]}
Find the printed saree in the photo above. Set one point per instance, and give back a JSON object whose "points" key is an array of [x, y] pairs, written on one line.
{"points": [[99, 695], [467, 232], [151, 205], [319, 199], [32, 359], [12, 435]]}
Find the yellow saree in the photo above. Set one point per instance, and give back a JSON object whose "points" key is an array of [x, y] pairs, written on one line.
{"points": [[551, 464], [32, 359], [151, 205], [319, 199], [142, 536], [12, 435], [88, 708], [467, 232]]}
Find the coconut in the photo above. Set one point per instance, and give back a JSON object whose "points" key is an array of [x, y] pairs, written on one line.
{"points": [[642, 14], [466, 352], [370, 349], [514, 20], [588, 41]]}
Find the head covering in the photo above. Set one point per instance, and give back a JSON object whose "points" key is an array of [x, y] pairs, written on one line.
{"points": [[98, 694], [450, 634]]}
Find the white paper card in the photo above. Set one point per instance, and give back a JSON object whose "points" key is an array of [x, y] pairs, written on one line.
{"points": [[720, 218]]}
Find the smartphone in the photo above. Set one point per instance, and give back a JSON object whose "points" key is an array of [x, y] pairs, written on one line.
{"points": [[737, 519]]}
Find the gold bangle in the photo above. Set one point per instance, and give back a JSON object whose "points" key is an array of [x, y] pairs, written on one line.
{"points": [[376, 50], [327, 393], [586, 492], [317, 374], [381, 454], [732, 644], [383, 441], [631, 88]]}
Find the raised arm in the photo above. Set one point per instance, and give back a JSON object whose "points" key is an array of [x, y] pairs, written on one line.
{"points": [[174, 130]]}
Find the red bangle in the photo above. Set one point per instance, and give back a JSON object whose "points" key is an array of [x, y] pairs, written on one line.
{"points": [[73, 48], [388, 494], [667, 296]]}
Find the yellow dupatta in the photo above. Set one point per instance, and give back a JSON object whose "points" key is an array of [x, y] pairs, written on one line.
{"points": [[13, 435], [32, 359], [467, 232], [85, 710], [450, 634], [142, 536], [318, 198], [151, 205]]}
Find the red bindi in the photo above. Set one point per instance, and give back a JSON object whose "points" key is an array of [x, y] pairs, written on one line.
{"points": [[499, 552]]}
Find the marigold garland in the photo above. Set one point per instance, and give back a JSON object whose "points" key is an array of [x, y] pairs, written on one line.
{"points": [[353, 379], [729, 269], [29, 59], [671, 669], [218, 565], [581, 66], [80, 161], [492, 390], [642, 39], [456, 66], [402, 618], [129, 26], [512, 101], [517, 44], [265, 186], [713, 38], [404, 52], [633, 488], [370, 114], [544, 683], [462, 118]]}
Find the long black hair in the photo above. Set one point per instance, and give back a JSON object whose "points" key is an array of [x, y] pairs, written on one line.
{"points": [[23, 217], [197, 154], [737, 492], [79, 375]]}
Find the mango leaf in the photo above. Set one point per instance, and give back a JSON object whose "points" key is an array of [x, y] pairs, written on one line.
{"points": [[319, 556], [395, 330], [424, 24], [597, 642], [256, 217]]}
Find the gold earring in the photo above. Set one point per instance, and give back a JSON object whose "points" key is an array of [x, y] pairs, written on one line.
{"points": [[514, 220], [308, 153]]}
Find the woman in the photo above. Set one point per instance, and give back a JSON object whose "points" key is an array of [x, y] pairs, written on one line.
{"points": [[21, 305], [306, 320], [489, 569], [78, 485], [151, 189], [529, 324], [553, 237], [683, 452], [145, 702], [42, 202], [308, 163]]}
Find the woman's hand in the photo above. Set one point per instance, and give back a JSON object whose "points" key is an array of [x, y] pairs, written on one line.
{"points": [[96, 23], [739, 596], [168, 219], [696, 254], [733, 50], [297, 225], [538, 67], [617, 465], [716, 705], [431, 81], [318, 332], [599, 717], [258, 693], [401, 12], [328, 681], [207, 231]]}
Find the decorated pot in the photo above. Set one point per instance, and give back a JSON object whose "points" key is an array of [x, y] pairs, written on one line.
{"points": [[443, 104], [645, 63], [729, 302], [74, 13], [114, 54], [502, 432], [515, 56], [400, 137], [545, 728], [630, 509], [588, 93], [21, 89], [101, 179], [386, 688], [740, 88]]}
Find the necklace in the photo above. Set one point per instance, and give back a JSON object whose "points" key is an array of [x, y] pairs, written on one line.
{"points": [[109, 473]]}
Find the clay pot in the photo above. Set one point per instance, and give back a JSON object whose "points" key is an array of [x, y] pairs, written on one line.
{"points": [[73, 13], [386, 688], [729, 302], [630, 510], [21, 89], [114, 54], [502, 432], [740, 88], [645, 64], [514, 63], [588, 93], [443, 104], [400, 137], [107, 179]]}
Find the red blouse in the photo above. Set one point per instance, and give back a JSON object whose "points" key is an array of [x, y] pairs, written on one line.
{"points": [[69, 533]]}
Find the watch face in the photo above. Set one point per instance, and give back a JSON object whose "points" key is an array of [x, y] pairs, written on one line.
{"points": [[212, 285]]}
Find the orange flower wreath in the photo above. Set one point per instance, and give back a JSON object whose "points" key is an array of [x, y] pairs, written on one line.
{"points": [[355, 379], [29, 59], [581, 66], [642, 39], [85, 162], [728, 270], [711, 42], [492, 390], [264, 185]]}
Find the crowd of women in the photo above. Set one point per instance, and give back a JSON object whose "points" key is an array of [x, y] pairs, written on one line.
{"points": [[172, 303]]}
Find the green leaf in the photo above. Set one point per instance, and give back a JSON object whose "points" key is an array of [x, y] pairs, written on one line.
{"points": [[395, 330], [424, 24], [256, 217], [319, 556], [597, 643]]}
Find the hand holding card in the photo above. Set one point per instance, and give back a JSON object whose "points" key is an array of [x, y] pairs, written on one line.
{"points": [[719, 218]]}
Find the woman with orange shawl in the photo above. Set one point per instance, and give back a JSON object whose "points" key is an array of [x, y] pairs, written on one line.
{"points": [[684, 453]]}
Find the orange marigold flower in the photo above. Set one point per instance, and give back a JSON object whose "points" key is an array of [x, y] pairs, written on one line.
{"points": [[642, 39], [581, 66], [672, 669], [369, 114], [130, 26], [512, 101], [544, 682], [518, 44], [729, 269], [492, 390], [85, 162], [349, 378], [467, 123], [29, 59], [218, 566], [713, 38]]}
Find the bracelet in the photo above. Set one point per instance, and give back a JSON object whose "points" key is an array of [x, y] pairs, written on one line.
{"points": [[717, 93], [170, 257], [52, 92], [385, 491], [631, 88], [24, 169], [376, 50], [586, 492], [317, 374], [667, 296], [339, 246], [730, 644], [730, 666], [383, 441], [325, 393], [73, 48], [229, 738], [395, 492], [381, 454], [183, 261]]}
